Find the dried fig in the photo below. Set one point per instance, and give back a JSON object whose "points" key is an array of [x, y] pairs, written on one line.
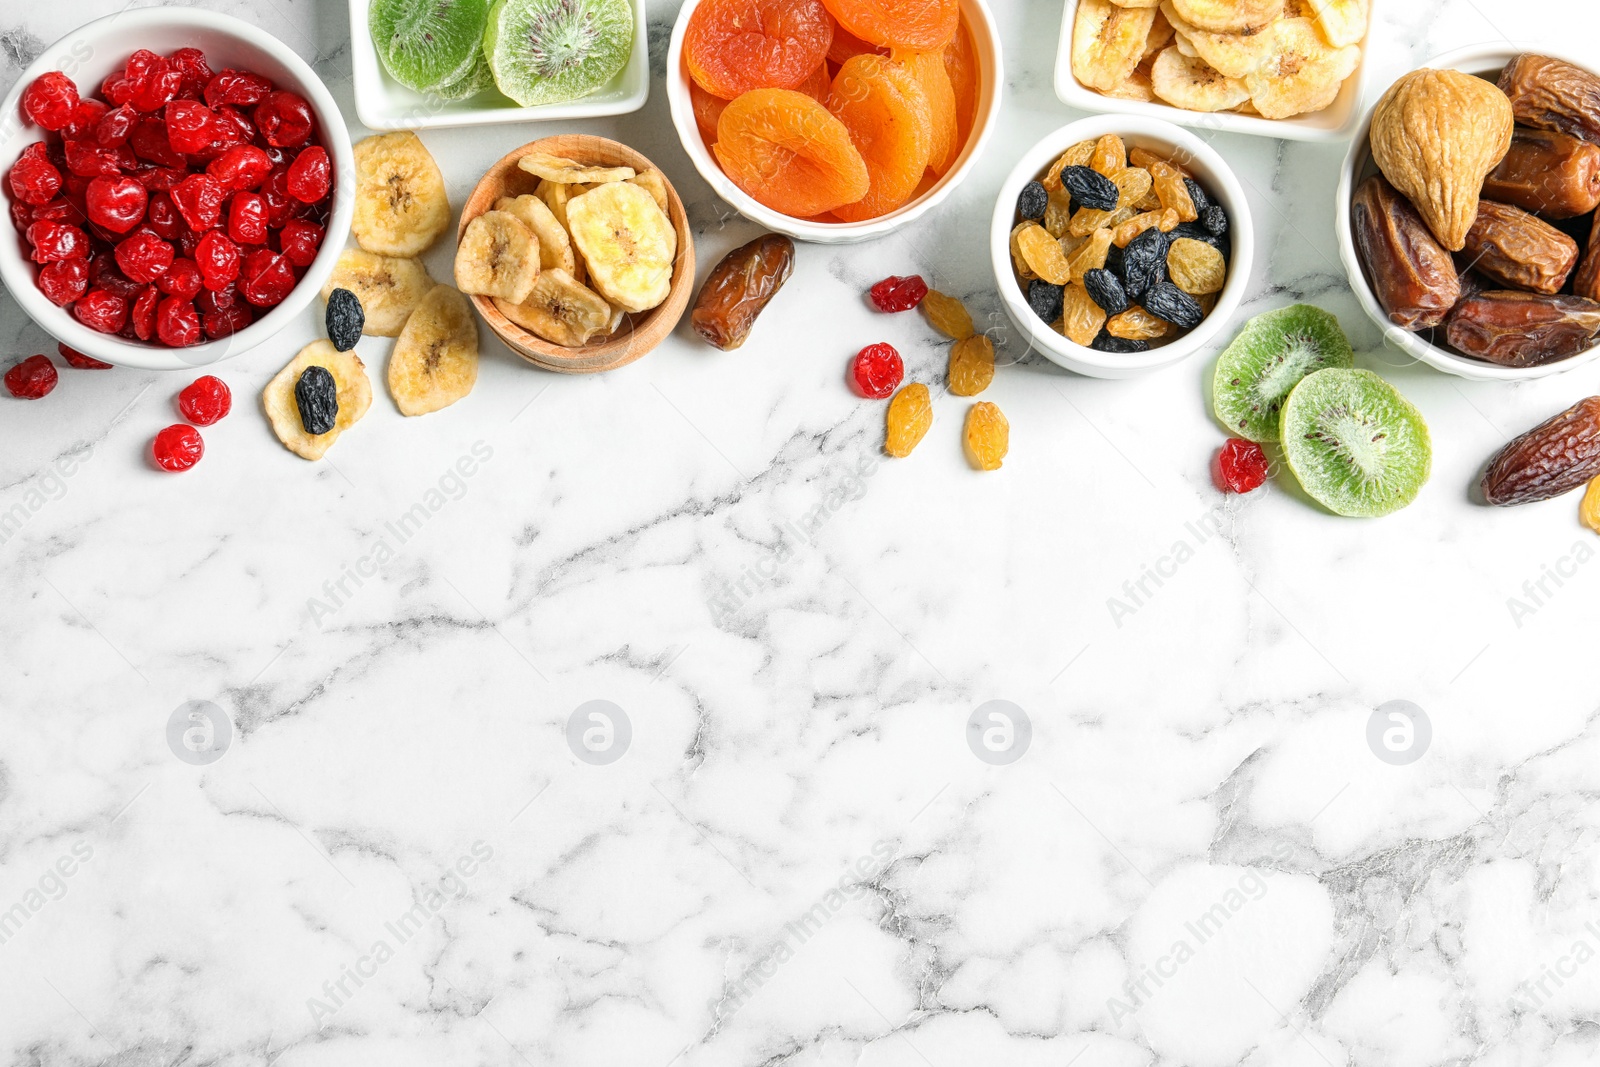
{"points": [[1516, 329], [1548, 173], [1517, 249], [1586, 282], [1554, 457], [1435, 134], [1551, 94], [1410, 274]]}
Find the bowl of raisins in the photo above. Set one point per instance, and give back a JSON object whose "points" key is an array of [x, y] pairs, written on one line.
{"points": [[178, 183], [1521, 298], [1121, 245]]}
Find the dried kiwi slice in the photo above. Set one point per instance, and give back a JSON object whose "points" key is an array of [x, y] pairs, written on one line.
{"points": [[428, 45], [1256, 373], [1357, 446], [553, 51]]}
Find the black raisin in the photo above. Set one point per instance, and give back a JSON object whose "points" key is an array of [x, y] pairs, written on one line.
{"points": [[1045, 299], [1090, 188], [317, 397], [1105, 290], [1114, 261], [1144, 262], [1032, 201], [344, 319], [1106, 343], [1215, 220], [1198, 195], [1167, 301]]}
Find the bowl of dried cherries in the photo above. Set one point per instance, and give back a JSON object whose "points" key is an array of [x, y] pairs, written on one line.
{"points": [[1467, 217], [1121, 245], [172, 177]]}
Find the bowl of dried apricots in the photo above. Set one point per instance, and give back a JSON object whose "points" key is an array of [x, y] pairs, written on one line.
{"points": [[834, 121], [1121, 245]]}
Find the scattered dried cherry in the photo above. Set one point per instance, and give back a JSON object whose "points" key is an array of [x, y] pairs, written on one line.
{"points": [[50, 100], [877, 371], [77, 359], [1241, 466], [177, 448], [205, 400], [895, 293], [31, 379]]}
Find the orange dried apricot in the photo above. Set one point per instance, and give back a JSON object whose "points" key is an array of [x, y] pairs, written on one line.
{"points": [[733, 46], [886, 112], [818, 85], [928, 69], [961, 63], [707, 110], [847, 45], [790, 153], [921, 25]]}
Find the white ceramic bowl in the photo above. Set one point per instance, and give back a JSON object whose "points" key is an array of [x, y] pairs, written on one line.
{"points": [[1208, 169], [1485, 60], [384, 104], [91, 52], [986, 43], [1333, 123]]}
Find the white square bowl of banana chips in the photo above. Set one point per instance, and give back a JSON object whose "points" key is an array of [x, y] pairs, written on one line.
{"points": [[1292, 69]]}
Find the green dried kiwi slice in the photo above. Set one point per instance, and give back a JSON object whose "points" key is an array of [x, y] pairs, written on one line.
{"points": [[1256, 373], [428, 45], [553, 51], [477, 79], [1355, 444]]}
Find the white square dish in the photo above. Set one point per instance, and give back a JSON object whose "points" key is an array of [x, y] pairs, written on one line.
{"points": [[384, 104], [1336, 122]]}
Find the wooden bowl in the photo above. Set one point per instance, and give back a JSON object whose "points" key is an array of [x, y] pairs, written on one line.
{"points": [[639, 333]]}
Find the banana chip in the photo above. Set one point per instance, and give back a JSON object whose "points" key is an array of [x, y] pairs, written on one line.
{"points": [[353, 390], [498, 256], [388, 288], [555, 247], [1303, 73], [561, 310], [653, 183], [1192, 84], [401, 207], [1232, 55], [435, 361], [565, 171], [1228, 16], [627, 243], [1108, 42]]}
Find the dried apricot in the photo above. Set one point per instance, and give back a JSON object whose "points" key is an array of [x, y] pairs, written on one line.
{"points": [[987, 438], [847, 45], [909, 416], [921, 25], [928, 69], [971, 365], [961, 63], [733, 46], [1196, 267], [948, 315], [818, 85], [1137, 324], [1043, 254], [886, 113], [1081, 317], [790, 153], [707, 110]]}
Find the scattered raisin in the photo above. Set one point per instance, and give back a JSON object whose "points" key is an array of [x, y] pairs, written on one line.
{"points": [[909, 415], [344, 319], [971, 365], [987, 438], [317, 397], [1104, 289], [948, 315]]}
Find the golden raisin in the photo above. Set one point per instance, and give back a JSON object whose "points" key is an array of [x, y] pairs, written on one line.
{"points": [[1024, 271], [987, 438], [1137, 324], [910, 415], [1091, 255], [1109, 155], [971, 365], [1043, 254], [1058, 213], [1076, 156], [1196, 267], [1135, 226], [1589, 510], [1171, 191], [948, 315], [1143, 157], [1081, 317]]}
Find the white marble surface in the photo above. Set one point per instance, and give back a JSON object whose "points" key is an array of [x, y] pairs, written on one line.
{"points": [[798, 860]]}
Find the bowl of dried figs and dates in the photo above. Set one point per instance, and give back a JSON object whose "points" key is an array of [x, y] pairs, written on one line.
{"points": [[1468, 223], [1121, 245], [174, 180]]}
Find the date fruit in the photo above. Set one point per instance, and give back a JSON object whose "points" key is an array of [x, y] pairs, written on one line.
{"points": [[1517, 329], [1549, 173], [1412, 276], [1586, 283], [1554, 457], [1512, 247], [739, 288], [1550, 94]]}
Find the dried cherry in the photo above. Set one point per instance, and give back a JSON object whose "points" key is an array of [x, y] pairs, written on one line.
{"points": [[1241, 466], [57, 240], [116, 204], [181, 280], [896, 293], [35, 180], [64, 280], [205, 400], [310, 175], [50, 100], [31, 378], [283, 119], [101, 309], [177, 448], [143, 256], [877, 371], [299, 241], [77, 359], [177, 323]]}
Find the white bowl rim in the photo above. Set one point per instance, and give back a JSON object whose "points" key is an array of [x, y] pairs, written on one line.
{"points": [[1483, 54], [16, 270], [1226, 188], [681, 108]]}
